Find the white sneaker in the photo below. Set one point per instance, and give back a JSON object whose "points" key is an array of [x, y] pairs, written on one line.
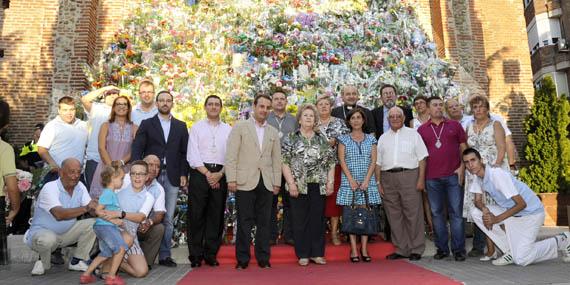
{"points": [[38, 268], [80, 266], [563, 241], [506, 259], [487, 258]]}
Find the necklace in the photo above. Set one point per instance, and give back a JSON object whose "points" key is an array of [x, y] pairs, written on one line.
{"points": [[438, 137], [213, 131], [279, 124]]}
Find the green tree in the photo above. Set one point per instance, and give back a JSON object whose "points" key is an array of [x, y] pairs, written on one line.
{"points": [[548, 148]]}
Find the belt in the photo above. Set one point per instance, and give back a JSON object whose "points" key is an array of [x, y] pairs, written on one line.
{"points": [[213, 167], [397, 169]]}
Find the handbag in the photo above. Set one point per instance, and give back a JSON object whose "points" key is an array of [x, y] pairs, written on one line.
{"points": [[360, 220]]}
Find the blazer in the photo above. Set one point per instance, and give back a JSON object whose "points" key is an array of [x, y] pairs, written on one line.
{"points": [[150, 140], [245, 161], [378, 114]]}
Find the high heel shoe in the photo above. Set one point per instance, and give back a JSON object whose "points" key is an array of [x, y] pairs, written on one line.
{"points": [[365, 258], [354, 259]]}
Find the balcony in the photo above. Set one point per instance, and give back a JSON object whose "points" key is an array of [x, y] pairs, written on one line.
{"points": [[537, 7], [549, 56]]}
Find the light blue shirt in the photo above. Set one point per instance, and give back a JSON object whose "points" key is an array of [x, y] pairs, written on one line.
{"points": [[165, 124], [54, 195], [138, 115], [133, 202], [385, 122], [502, 186], [110, 200], [64, 140]]}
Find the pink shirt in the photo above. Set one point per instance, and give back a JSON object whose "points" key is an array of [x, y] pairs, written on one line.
{"points": [[442, 161]]}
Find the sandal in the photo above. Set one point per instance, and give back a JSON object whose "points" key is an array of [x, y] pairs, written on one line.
{"points": [[355, 259], [365, 258]]}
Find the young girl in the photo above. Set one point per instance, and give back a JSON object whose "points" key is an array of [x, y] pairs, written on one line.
{"points": [[112, 243]]}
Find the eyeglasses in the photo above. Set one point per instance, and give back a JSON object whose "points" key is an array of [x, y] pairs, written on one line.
{"points": [[138, 174]]}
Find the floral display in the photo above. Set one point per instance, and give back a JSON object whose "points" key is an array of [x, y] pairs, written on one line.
{"points": [[235, 49]]}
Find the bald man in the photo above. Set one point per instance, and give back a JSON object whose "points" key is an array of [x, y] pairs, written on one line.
{"points": [[55, 223]]}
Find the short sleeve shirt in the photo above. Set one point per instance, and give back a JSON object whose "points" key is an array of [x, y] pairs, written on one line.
{"points": [[110, 200], [99, 114], [445, 159], [136, 202], [403, 148], [64, 140], [7, 164]]}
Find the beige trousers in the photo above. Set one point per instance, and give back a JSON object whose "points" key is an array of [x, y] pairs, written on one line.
{"points": [[45, 241]]}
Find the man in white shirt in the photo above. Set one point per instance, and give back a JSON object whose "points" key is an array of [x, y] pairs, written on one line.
{"points": [[63, 137], [151, 230], [55, 223], [401, 179], [513, 224], [208, 190], [98, 114], [146, 108]]}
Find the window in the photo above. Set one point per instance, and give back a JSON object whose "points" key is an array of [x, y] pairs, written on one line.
{"points": [[543, 31]]}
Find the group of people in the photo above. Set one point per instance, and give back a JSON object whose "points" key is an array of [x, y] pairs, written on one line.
{"points": [[127, 164]]}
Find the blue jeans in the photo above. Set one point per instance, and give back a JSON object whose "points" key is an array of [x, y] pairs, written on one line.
{"points": [[110, 240], [440, 191], [479, 241], [170, 198]]}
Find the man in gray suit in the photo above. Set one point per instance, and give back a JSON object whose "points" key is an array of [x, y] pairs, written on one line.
{"points": [[253, 171]]}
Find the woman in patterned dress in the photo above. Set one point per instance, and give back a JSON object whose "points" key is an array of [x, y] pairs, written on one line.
{"points": [[308, 168], [331, 127], [115, 140], [488, 137], [357, 157]]}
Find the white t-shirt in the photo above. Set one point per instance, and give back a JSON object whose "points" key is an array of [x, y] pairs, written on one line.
{"points": [[99, 114], [404, 148], [64, 140]]}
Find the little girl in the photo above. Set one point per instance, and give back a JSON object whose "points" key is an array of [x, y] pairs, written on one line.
{"points": [[111, 242]]}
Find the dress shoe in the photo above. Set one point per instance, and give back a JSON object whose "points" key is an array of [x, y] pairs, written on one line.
{"points": [[355, 259], [211, 261], [459, 256], [475, 253], [264, 264], [241, 265], [168, 262], [395, 256], [440, 255], [415, 256], [318, 260]]}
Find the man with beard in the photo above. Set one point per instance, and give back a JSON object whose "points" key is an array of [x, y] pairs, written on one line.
{"points": [[388, 96], [350, 96], [167, 138]]}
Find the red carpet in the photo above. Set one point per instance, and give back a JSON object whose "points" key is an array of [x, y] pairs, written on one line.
{"points": [[339, 269]]}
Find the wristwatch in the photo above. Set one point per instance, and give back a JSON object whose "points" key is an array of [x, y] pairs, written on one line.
{"points": [[123, 214]]}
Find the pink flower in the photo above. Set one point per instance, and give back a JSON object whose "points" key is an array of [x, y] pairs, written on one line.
{"points": [[24, 185]]}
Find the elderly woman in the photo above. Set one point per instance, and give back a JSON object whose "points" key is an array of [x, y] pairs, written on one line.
{"points": [[422, 112], [488, 137], [308, 168], [331, 128], [357, 157]]}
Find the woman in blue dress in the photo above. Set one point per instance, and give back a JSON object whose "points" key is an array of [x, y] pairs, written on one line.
{"points": [[357, 157]]}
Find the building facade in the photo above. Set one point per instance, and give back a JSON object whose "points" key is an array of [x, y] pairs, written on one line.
{"points": [[548, 28], [45, 44]]}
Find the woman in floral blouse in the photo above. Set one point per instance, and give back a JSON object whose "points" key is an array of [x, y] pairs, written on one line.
{"points": [[308, 168], [331, 127]]}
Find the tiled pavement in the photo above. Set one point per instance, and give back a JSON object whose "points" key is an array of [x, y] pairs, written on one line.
{"points": [[471, 272]]}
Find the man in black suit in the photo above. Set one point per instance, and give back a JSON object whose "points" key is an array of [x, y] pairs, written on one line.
{"points": [[388, 96], [167, 138], [350, 96]]}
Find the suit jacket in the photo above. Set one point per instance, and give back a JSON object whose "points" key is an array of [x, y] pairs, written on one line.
{"points": [[341, 112], [244, 160], [378, 114], [150, 140]]}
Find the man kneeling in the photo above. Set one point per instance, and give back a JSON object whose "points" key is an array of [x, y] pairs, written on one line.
{"points": [[55, 223], [515, 221]]}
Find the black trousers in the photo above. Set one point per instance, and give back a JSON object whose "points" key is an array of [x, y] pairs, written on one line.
{"points": [[308, 212], [4, 258], [287, 229], [253, 208], [205, 215]]}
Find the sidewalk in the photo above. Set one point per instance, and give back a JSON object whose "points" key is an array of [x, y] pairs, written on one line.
{"points": [[470, 272]]}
